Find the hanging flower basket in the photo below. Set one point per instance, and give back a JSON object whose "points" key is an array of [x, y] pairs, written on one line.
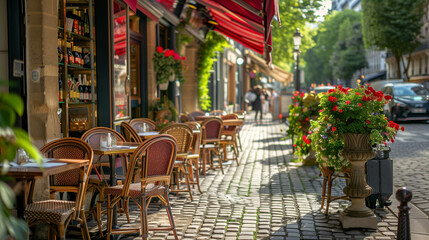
{"points": [[167, 64], [163, 86]]}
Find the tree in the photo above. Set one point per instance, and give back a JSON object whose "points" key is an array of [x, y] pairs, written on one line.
{"points": [[349, 52], [328, 35], [293, 14], [393, 25], [314, 68]]}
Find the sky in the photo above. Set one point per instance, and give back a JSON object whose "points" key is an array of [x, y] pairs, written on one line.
{"points": [[326, 5]]}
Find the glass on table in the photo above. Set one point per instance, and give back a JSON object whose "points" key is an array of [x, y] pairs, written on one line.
{"points": [[21, 156], [103, 141]]}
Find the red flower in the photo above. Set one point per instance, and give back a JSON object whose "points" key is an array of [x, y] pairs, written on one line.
{"points": [[357, 93], [176, 56], [367, 121], [183, 58], [159, 49], [341, 110], [334, 129], [306, 140], [335, 108], [402, 128], [360, 104], [294, 145], [302, 95], [307, 119], [321, 110], [348, 102], [392, 140], [387, 97], [332, 99]]}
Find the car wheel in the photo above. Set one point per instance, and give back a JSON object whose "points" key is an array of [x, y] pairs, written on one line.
{"points": [[392, 116]]}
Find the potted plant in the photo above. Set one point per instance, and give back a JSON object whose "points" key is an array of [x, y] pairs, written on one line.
{"points": [[12, 139], [305, 108], [162, 108], [167, 65], [162, 123], [349, 123]]}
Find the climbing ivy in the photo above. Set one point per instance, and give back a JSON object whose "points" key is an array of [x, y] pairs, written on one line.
{"points": [[214, 43]]}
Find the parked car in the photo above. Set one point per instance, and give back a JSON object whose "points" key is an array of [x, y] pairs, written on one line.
{"points": [[410, 101], [322, 89]]}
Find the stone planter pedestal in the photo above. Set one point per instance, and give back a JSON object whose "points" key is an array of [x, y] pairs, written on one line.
{"points": [[310, 160], [357, 151]]}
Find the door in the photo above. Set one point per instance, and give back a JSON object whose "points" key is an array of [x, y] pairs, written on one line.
{"points": [[135, 78], [120, 68]]}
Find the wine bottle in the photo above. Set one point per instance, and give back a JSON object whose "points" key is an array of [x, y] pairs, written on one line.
{"points": [[60, 51], [86, 23], [85, 89], [70, 53], [60, 87], [90, 91], [75, 22], [79, 89]]}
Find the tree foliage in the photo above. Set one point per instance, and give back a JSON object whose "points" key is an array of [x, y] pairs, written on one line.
{"points": [[394, 25], [328, 35], [349, 52], [294, 14]]}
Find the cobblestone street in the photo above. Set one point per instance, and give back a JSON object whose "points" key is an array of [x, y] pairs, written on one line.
{"points": [[266, 197], [410, 154]]}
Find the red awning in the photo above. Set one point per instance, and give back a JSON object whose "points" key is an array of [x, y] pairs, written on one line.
{"points": [[246, 21]]}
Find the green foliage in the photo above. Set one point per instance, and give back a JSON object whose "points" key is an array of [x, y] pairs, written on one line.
{"points": [[327, 38], [394, 25], [12, 138], [314, 68], [349, 52], [214, 43], [293, 14]]}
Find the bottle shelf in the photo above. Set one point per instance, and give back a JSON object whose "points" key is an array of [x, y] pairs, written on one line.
{"points": [[75, 66], [81, 103]]}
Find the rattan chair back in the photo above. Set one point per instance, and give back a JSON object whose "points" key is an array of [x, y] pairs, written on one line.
{"points": [[155, 157], [193, 115], [183, 135], [129, 133], [229, 129], [138, 122], [217, 112], [93, 135], [73, 180], [184, 118], [211, 129]]}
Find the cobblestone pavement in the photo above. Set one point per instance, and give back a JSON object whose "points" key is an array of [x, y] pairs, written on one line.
{"points": [[266, 197], [410, 154]]}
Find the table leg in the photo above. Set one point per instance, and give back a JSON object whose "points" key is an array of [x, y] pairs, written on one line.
{"points": [[112, 159]]}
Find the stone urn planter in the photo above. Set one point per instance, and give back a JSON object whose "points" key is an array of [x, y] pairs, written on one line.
{"points": [[357, 151]]}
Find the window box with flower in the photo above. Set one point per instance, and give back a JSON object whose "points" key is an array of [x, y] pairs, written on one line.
{"points": [[168, 66], [349, 123]]}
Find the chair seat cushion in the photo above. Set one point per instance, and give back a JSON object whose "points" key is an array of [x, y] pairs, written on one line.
{"points": [[135, 190], [54, 211]]}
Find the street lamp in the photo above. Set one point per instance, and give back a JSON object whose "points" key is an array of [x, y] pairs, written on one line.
{"points": [[297, 42]]}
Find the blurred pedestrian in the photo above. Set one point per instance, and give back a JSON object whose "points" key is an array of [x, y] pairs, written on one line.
{"points": [[257, 104]]}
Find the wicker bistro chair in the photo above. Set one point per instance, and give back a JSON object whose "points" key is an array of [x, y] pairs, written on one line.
{"points": [[58, 213], [129, 133], [154, 160], [329, 175], [194, 155], [138, 124], [211, 130], [100, 181], [183, 135], [229, 137], [184, 118], [239, 128], [193, 115]]}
